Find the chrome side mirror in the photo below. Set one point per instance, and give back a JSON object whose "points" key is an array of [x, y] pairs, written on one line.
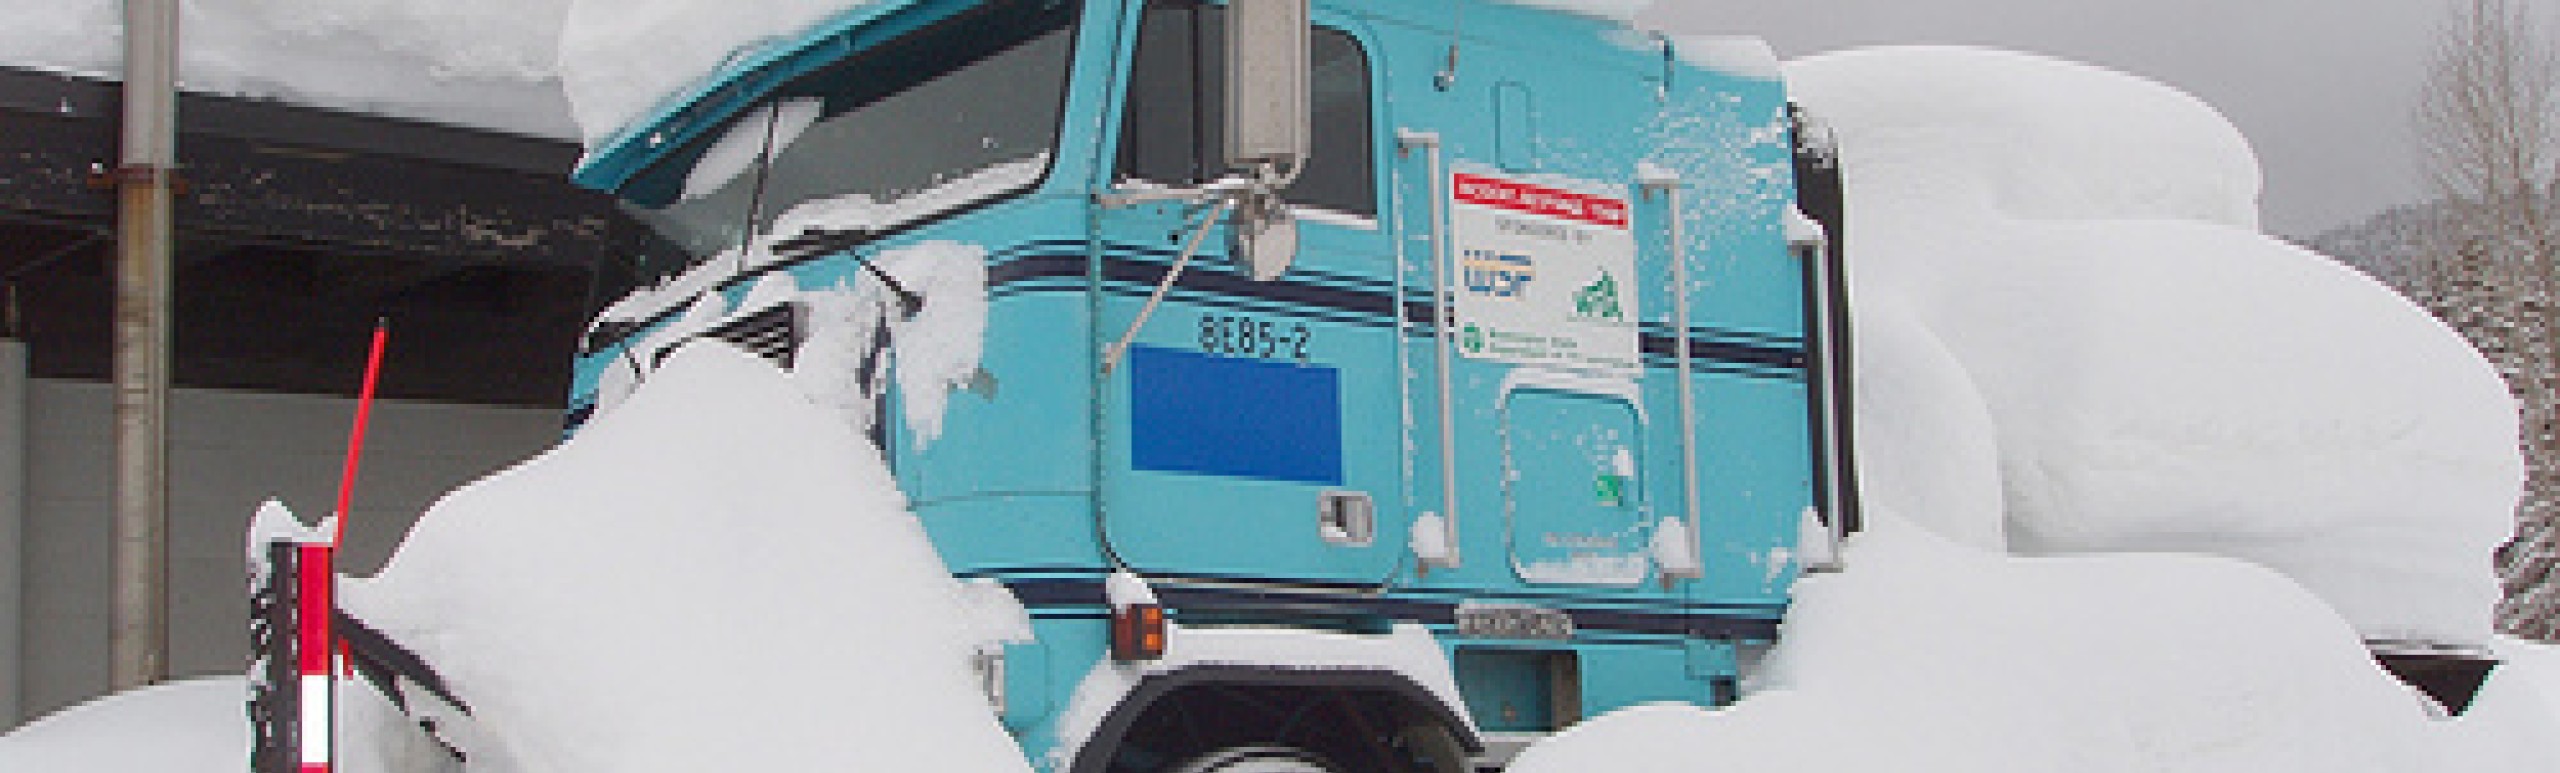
{"points": [[1266, 236], [1268, 125], [1267, 113]]}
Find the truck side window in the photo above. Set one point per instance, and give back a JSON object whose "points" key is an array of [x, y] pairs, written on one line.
{"points": [[1171, 131]]}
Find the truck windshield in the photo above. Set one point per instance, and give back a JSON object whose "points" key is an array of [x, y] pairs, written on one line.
{"points": [[960, 112]]}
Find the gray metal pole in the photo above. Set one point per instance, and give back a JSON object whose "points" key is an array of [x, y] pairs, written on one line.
{"points": [[139, 642], [13, 513]]}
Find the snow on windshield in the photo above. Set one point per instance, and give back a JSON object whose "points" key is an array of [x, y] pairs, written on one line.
{"points": [[851, 212], [758, 134]]}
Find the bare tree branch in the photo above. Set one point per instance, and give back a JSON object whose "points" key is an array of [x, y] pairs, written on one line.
{"points": [[2489, 132]]}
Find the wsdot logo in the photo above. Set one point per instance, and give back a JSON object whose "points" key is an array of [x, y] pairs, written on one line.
{"points": [[1599, 300], [1500, 275]]}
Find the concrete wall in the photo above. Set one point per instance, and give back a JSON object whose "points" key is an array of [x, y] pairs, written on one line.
{"points": [[228, 452]]}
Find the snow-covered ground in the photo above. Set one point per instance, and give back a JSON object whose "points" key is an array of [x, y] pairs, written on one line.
{"points": [[2140, 477], [1928, 655]]}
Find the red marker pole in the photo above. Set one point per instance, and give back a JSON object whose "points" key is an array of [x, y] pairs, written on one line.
{"points": [[317, 648], [314, 646], [355, 439]]}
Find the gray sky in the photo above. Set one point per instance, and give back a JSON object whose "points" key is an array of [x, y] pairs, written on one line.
{"points": [[2323, 88]]}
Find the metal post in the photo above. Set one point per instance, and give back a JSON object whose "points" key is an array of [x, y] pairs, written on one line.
{"points": [[138, 645], [13, 500]]}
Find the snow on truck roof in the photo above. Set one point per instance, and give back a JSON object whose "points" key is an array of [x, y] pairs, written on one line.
{"points": [[548, 68], [624, 62]]}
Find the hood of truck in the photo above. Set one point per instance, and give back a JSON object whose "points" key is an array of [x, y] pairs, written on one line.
{"points": [[747, 76]]}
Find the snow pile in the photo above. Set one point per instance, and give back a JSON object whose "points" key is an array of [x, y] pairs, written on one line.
{"points": [[619, 58], [2528, 671], [2073, 341], [201, 726], [933, 332], [196, 726], [485, 63], [718, 575], [1741, 56], [1928, 655], [933, 352]]}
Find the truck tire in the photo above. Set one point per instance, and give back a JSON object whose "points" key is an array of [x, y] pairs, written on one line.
{"points": [[1257, 759]]}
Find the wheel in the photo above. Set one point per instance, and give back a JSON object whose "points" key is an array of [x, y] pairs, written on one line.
{"points": [[1257, 759]]}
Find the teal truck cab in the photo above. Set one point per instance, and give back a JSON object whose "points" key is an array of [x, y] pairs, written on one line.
{"points": [[1369, 385]]}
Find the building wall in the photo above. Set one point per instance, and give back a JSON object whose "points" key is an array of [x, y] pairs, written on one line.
{"points": [[229, 451]]}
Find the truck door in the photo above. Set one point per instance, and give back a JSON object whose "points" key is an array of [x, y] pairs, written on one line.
{"points": [[1253, 426]]}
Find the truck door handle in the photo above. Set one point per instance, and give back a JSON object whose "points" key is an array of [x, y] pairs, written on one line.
{"points": [[1347, 518]]}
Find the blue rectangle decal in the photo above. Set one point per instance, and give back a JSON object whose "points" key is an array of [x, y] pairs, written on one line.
{"points": [[1233, 416]]}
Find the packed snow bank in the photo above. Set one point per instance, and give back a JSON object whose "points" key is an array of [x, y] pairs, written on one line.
{"points": [[196, 726], [1928, 655], [486, 63], [2070, 253], [2072, 341], [1924, 440], [202, 726], [718, 575], [2529, 670]]}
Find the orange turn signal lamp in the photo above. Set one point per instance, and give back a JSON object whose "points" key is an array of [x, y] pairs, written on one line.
{"points": [[1137, 632]]}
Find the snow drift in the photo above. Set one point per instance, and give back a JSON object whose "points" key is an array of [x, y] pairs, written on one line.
{"points": [[2073, 343], [193, 727], [719, 574], [1928, 655], [2070, 253], [199, 726]]}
